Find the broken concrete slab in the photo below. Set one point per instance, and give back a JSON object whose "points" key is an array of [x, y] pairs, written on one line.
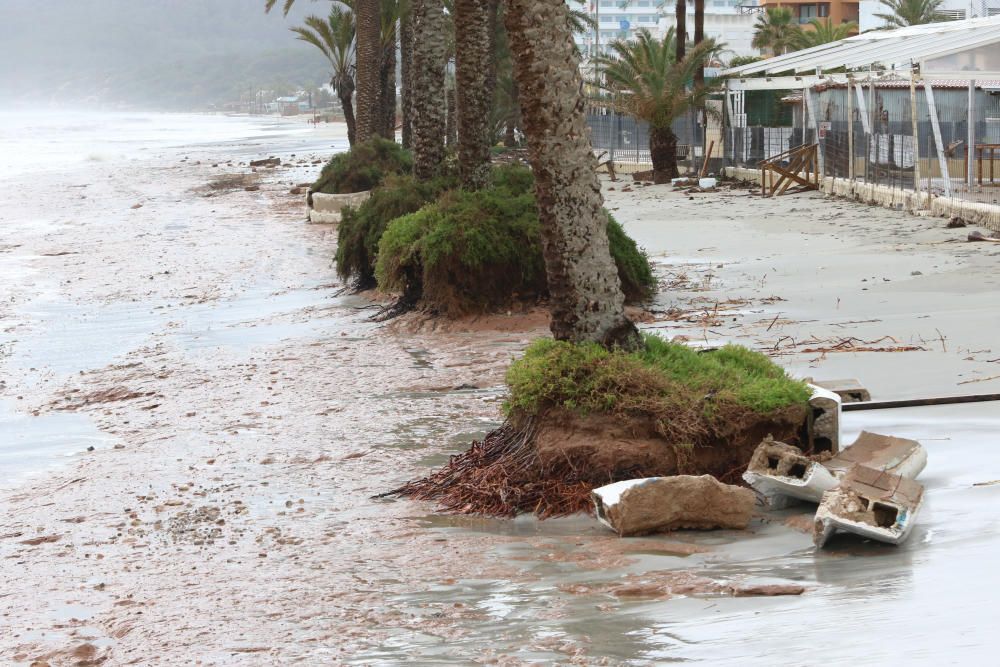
{"points": [[899, 456], [850, 391], [871, 503], [824, 421], [782, 473], [659, 504]]}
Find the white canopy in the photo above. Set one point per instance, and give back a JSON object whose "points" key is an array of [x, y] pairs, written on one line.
{"points": [[951, 50]]}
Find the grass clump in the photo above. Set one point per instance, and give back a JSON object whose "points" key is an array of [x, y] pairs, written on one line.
{"points": [[478, 251], [689, 395], [363, 167], [361, 228]]}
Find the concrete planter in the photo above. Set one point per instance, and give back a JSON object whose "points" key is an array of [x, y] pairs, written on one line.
{"points": [[324, 208]]}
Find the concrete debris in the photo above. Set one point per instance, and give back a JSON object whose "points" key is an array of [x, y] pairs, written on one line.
{"points": [[660, 504], [325, 208], [850, 391], [267, 162], [782, 473], [824, 422], [872, 503]]}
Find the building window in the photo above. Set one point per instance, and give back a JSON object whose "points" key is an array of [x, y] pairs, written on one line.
{"points": [[809, 12]]}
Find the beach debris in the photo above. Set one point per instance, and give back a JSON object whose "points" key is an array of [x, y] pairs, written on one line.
{"points": [[326, 208], [252, 188], [979, 236], [708, 183], [267, 162], [871, 503], [660, 504], [824, 420], [850, 391], [782, 473], [955, 222]]}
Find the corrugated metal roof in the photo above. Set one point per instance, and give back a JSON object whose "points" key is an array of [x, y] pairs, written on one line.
{"points": [[883, 49]]}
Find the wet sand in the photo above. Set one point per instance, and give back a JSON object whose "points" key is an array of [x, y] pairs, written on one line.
{"points": [[242, 414]]}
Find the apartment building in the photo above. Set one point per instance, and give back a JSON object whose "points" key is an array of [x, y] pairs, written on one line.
{"points": [[621, 19], [953, 10], [804, 11]]}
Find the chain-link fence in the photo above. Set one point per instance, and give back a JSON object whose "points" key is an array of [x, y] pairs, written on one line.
{"points": [[880, 134]]}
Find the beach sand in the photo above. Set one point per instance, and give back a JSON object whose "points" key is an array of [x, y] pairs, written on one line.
{"points": [[243, 412]]}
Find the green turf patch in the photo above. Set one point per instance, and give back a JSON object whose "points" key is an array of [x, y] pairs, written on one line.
{"points": [[683, 391]]}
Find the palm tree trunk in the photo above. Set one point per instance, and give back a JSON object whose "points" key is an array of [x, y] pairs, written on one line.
{"points": [[428, 105], [663, 152], [368, 50], [475, 81], [681, 15], [345, 92], [387, 87], [405, 57], [587, 303], [699, 36], [451, 120]]}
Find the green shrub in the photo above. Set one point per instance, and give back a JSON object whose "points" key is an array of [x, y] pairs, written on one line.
{"points": [[363, 167], [361, 228], [478, 251], [681, 389]]}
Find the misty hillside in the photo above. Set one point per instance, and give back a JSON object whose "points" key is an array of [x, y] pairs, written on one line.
{"points": [[167, 54]]}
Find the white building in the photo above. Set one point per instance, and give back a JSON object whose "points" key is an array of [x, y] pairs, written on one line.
{"points": [[621, 19], [954, 10]]}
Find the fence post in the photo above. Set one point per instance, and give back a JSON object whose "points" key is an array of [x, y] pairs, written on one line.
{"points": [[916, 135], [971, 144], [850, 131], [938, 142]]}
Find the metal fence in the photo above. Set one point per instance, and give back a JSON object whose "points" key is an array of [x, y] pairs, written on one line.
{"points": [[626, 139], [876, 136]]}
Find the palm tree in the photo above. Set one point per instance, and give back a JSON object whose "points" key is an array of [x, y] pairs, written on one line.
{"points": [[643, 78], [475, 80], [334, 37], [823, 32], [586, 298], [774, 31], [430, 53], [910, 12]]}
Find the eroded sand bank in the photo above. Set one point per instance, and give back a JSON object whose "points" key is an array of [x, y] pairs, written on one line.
{"points": [[243, 414]]}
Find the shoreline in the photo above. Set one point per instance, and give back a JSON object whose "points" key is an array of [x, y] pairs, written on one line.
{"points": [[257, 413]]}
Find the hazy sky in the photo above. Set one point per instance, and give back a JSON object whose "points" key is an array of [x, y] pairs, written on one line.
{"points": [[149, 52]]}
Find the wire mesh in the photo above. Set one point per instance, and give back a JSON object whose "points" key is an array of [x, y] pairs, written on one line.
{"points": [[870, 133], [626, 139]]}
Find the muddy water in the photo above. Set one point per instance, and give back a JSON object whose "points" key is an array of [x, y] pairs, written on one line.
{"points": [[244, 413]]}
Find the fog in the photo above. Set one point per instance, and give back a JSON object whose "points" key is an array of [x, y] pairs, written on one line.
{"points": [[151, 54]]}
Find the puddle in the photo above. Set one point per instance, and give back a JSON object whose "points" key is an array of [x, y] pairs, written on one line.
{"points": [[30, 445]]}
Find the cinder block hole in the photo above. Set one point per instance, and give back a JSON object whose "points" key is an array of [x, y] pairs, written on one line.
{"points": [[822, 445], [864, 504], [797, 470], [885, 515], [772, 462]]}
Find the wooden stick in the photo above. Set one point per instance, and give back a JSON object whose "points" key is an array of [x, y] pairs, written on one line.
{"points": [[708, 154]]}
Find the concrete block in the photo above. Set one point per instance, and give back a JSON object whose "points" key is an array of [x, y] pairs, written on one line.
{"points": [[824, 420], [324, 208], [871, 503]]}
